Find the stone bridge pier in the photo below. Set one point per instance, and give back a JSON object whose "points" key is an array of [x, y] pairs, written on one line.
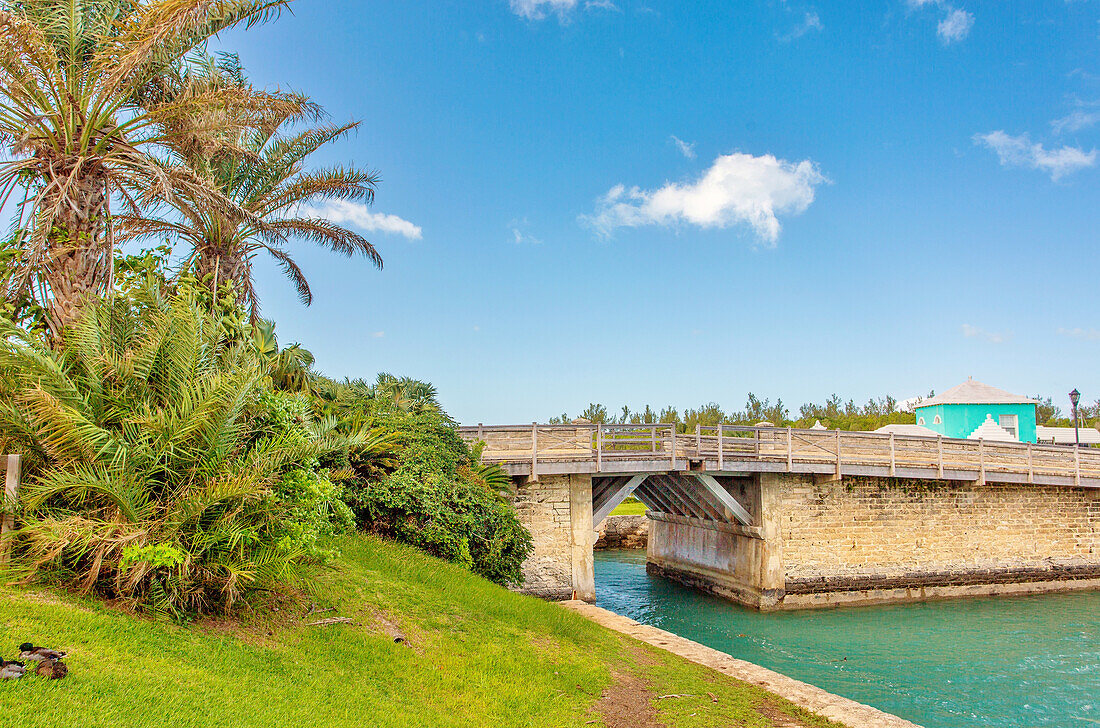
{"points": [[557, 510]]}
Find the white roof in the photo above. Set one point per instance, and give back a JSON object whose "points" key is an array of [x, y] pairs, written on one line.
{"points": [[1065, 435], [971, 392], [990, 430], [912, 430], [817, 425]]}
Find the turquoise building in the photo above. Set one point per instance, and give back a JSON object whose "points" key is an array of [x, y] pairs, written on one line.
{"points": [[961, 410]]}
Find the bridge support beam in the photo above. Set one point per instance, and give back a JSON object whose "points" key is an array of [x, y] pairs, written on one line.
{"points": [[614, 498], [741, 560]]}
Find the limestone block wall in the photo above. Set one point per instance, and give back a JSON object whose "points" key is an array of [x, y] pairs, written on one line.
{"points": [[622, 532], [863, 534], [557, 510]]}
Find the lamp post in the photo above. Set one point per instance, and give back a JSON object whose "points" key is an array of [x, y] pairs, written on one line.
{"points": [[1074, 398]]}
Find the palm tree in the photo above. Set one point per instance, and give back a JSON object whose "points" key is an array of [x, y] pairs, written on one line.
{"points": [[262, 173], [149, 478], [70, 71], [290, 368]]}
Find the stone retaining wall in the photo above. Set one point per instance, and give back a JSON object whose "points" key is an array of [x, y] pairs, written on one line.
{"points": [[864, 533], [622, 532], [865, 540]]}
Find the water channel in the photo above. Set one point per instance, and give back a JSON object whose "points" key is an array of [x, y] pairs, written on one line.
{"points": [[1021, 662]]}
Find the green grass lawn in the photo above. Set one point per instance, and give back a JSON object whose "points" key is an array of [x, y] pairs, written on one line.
{"points": [[477, 655], [630, 507]]}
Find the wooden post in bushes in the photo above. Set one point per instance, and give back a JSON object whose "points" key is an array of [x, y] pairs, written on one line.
{"points": [[7, 505]]}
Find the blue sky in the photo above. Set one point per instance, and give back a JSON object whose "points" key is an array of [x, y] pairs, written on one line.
{"points": [[661, 202]]}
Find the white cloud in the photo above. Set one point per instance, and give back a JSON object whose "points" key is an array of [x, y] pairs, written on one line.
{"points": [[956, 23], [521, 238], [1079, 333], [378, 334], [737, 189], [1019, 151], [993, 337], [538, 9], [345, 212], [956, 26], [810, 21], [688, 150], [1084, 116]]}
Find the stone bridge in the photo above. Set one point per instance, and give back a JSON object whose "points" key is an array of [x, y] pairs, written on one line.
{"points": [[784, 518]]}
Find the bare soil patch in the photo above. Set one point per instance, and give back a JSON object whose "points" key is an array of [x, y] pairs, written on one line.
{"points": [[628, 703]]}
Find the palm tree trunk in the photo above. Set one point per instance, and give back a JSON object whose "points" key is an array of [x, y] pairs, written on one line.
{"points": [[217, 266], [79, 255]]}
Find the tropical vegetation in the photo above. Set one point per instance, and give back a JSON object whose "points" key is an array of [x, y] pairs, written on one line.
{"points": [[177, 458], [833, 414], [71, 74]]}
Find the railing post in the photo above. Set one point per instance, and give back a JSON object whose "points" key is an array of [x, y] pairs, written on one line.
{"points": [[535, 451], [653, 437], [790, 450], [8, 504], [480, 433], [698, 438], [1030, 469], [599, 446], [721, 462], [1077, 466], [981, 461], [838, 452], [893, 464], [939, 443], [673, 445]]}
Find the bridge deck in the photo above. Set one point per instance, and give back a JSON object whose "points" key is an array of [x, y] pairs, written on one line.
{"points": [[734, 450]]}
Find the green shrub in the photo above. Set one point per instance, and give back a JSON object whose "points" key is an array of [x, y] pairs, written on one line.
{"points": [[438, 500], [161, 469]]}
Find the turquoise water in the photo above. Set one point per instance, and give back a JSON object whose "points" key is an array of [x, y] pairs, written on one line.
{"points": [[1021, 661]]}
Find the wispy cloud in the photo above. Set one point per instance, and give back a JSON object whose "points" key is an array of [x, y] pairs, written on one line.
{"points": [[1079, 333], [738, 189], [378, 334], [1085, 114], [345, 212], [993, 337], [539, 9], [519, 234], [956, 26], [602, 5], [688, 150], [1020, 151], [956, 23], [810, 21]]}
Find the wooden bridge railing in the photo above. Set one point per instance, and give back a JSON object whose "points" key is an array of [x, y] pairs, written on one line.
{"points": [[728, 444]]}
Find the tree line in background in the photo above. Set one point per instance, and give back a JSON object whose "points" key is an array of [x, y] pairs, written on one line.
{"points": [[177, 459], [834, 413]]}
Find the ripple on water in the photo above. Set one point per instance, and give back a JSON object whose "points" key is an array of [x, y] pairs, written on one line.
{"points": [[1022, 662]]}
